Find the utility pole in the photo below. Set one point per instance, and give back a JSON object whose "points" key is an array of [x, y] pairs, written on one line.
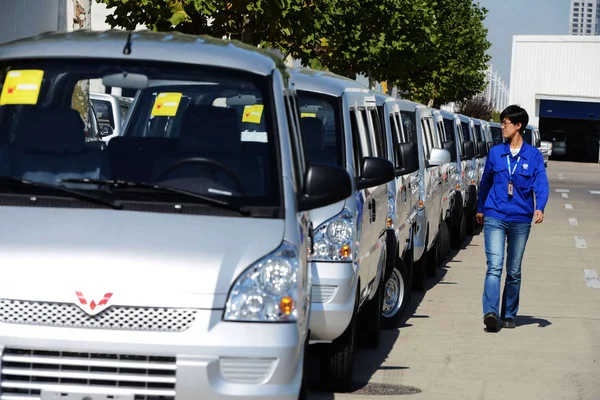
{"points": [[82, 19]]}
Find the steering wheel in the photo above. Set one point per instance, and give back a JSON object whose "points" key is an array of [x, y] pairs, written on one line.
{"points": [[204, 161]]}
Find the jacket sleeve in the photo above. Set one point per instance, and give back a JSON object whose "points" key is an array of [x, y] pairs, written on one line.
{"points": [[486, 183], [541, 187]]}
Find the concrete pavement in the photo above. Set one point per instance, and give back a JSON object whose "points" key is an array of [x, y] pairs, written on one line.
{"points": [[442, 349]]}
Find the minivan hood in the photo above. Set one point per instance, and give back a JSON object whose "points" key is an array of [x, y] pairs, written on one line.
{"points": [[143, 259]]}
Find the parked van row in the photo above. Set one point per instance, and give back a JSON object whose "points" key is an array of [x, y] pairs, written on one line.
{"points": [[240, 215]]}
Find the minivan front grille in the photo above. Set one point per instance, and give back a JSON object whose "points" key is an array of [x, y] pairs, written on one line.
{"points": [[24, 374], [115, 317]]}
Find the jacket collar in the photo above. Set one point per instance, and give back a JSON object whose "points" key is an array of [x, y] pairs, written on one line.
{"points": [[521, 153]]}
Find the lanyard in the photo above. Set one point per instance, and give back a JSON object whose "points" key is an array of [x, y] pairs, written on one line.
{"points": [[510, 173]]}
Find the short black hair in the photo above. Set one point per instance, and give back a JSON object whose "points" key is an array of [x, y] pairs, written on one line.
{"points": [[516, 114]]}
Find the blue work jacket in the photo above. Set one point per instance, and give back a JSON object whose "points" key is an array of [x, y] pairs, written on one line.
{"points": [[529, 179]]}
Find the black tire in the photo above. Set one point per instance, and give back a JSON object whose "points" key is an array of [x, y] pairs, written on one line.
{"points": [[446, 242], [460, 233], [419, 272], [337, 363], [396, 296], [432, 257], [369, 318]]}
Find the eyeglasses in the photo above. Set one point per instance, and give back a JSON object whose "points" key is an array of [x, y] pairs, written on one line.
{"points": [[507, 124]]}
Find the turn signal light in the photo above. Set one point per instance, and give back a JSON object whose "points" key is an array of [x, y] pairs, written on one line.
{"points": [[457, 186], [345, 251], [286, 305], [389, 222], [421, 204]]}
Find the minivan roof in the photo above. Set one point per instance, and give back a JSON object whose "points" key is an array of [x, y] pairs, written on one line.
{"points": [[145, 45], [325, 82]]}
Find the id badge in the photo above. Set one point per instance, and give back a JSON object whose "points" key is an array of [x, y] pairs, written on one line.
{"points": [[510, 188]]}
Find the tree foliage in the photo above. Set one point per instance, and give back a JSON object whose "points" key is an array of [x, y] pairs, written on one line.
{"points": [[453, 67], [431, 49], [477, 107]]}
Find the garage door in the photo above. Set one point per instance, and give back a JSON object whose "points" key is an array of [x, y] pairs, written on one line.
{"points": [[570, 109]]}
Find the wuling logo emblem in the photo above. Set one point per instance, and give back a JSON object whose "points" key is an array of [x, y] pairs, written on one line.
{"points": [[91, 307]]}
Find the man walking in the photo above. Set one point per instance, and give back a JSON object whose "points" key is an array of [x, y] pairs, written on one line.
{"points": [[513, 173]]}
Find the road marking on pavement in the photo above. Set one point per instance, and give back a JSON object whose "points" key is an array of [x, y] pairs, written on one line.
{"points": [[562, 190], [594, 191], [591, 278], [580, 242], [573, 221], [564, 195], [560, 176], [569, 206]]}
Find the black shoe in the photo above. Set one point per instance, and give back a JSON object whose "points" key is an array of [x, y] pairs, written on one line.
{"points": [[491, 321], [509, 323]]}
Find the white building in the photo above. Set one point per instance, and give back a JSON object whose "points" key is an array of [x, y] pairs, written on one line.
{"points": [[496, 91], [584, 17], [557, 80]]}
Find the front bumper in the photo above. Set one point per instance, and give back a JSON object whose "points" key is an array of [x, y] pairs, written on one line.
{"points": [[332, 300], [212, 359]]}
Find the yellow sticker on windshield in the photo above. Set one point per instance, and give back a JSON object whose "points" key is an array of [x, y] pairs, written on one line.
{"points": [[309, 115], [22, 87], [166, 104], [253, 113]]}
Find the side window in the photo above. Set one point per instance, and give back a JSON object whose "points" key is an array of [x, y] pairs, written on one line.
{"points": [[442, 131], [366, 138], [396, 138], [380, 145], [435, 139], [357, 148], [295, 142], [426, 137], [402, 135]]}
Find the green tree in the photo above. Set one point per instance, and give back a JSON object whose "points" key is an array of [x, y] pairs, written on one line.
{"points": [[372, 37], [287, 25], [452, 67]]}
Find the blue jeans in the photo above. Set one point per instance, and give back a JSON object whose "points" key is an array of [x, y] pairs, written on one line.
{"points": [[496, 234]]}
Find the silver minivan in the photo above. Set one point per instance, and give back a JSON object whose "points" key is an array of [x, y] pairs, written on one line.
{"points": [[341, 126], [472, 174], [417, 120], [164, 266], [403, 205]]}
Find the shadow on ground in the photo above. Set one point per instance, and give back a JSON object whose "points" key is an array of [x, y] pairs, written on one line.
{"points": [[368, 362]]}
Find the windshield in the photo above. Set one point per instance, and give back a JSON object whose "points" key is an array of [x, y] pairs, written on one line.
{"points": [[321, 128], [496, 133], [200, 130]]}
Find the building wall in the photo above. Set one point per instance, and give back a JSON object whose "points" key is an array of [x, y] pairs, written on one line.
{"points": [[22, 18], [584, 17], [554, 68]]}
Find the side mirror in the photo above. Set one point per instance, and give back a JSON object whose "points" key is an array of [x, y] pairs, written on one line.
{"points": [[325, 184], [408, 154], [449, 145], [375, 171], [439, 157], [469, 150], [482, 149], [107, 130]]}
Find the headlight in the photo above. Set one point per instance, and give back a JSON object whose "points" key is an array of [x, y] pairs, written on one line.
{"points": [[333, 238], [267, 291], [391, 213]]}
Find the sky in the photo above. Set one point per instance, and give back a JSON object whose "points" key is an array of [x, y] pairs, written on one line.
{"points": [[506, 18]]}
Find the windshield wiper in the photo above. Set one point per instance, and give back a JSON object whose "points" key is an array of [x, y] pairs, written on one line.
{"points": [[71, 193], [132, 184]]}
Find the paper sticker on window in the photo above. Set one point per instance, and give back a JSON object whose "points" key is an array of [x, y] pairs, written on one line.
{"points": [[309, 115], [166, 104], [253, 113], [22, 87]]}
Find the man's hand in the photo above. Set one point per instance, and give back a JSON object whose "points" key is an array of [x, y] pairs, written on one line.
{"points": [[479, 217], [538, 217]]}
